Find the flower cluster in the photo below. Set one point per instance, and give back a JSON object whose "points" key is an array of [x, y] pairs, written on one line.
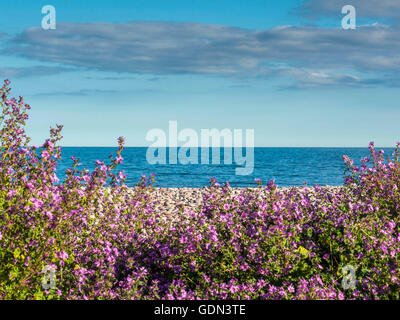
{"points": [[107, 241]]}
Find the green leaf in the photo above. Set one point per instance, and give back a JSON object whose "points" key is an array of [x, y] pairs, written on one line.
{"points": [[303, 251], [17, 253]]}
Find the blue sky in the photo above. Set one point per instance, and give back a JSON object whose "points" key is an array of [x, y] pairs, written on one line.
{"points": [[283, 68]]}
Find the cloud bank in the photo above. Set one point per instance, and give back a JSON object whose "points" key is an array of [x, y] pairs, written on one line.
{"points": [[311, 56]]}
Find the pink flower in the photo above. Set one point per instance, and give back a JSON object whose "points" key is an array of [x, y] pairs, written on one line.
{"points": [[121, 175], [49, 215], [45, 154], [55, 178], [12, 193], [37, 203], [63, 255]]}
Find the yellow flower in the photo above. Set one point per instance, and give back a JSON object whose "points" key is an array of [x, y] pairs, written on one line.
{"points": [[76, 267]]}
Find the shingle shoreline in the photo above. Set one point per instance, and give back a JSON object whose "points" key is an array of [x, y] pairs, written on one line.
{"points": [[171, 200]]}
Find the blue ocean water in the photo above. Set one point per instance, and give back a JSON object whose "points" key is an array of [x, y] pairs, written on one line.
{"points": [[288, 166]]}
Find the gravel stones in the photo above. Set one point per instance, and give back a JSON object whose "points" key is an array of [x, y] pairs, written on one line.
{"points": [[172, 201]]}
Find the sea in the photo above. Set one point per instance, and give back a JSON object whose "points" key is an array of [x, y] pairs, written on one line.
{"points": [[287, 166]]}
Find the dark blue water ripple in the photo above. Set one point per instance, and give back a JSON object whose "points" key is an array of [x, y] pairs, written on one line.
{"points": [[288, 166]]}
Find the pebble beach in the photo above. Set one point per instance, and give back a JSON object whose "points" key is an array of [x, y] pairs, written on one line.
{"points": [[170, 201]]}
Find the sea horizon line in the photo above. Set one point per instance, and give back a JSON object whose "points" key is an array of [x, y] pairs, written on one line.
{"points": [[264, 147]]}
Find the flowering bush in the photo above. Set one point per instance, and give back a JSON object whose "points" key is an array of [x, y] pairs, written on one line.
{"points": [[106, 241]]}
